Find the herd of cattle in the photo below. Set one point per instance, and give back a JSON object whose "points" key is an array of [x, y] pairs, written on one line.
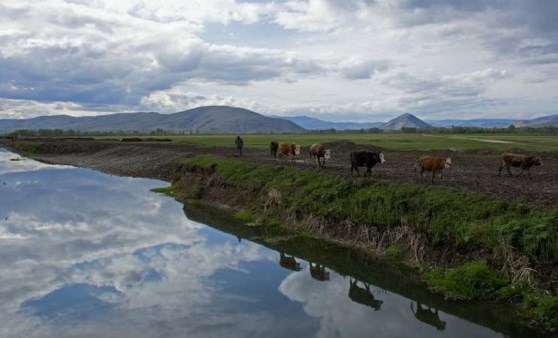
{"points": [[369, 159]]}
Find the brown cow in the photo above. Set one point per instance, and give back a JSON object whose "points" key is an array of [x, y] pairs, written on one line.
{"points": [[433, 164], [522, 161], [288, 149], [289, 262], [319, 151]]}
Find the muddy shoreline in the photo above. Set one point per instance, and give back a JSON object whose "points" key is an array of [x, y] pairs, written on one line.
{"points": [[472, 171]]}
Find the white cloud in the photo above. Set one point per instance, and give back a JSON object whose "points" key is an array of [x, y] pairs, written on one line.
{"points": [[311, 15], [81, 57]]}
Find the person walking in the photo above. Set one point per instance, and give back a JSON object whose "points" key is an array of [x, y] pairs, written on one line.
{"points": [[239, 144]]}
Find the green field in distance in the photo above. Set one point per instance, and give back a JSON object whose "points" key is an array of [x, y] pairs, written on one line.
{"points": [[392, 141]]}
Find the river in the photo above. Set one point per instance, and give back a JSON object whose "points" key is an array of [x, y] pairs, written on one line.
{"points": [[86, 254]]}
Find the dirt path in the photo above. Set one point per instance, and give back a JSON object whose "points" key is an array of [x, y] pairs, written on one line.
{"points": [[472, 171]]}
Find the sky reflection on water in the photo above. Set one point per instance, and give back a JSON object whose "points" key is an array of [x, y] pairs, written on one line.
{"points": [[92, 255]]}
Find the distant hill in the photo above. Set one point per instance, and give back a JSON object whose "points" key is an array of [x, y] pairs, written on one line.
{"points": [[405, 121], [483, 123], [551, 120], [210, 119], [311, 123], [225, 119]]}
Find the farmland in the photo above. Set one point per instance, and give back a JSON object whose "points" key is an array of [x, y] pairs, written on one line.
{"points": [[392, 141]]}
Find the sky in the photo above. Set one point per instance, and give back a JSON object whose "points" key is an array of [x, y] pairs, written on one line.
{"points": [[339, 60]]}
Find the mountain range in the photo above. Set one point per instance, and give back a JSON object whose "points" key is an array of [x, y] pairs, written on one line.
{"points": [[483, 123], [312, 123], [402, 121], [551, 120], [209, 119], [225, 119], [411, 121]]}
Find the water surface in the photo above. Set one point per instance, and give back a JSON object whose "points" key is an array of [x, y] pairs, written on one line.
{"points": [[85, 254]]}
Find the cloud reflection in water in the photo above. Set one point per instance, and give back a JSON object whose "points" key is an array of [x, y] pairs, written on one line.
{"points": [[92, 254]]}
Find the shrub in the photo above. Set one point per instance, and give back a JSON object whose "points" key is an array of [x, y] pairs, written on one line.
{"points": [[543, 311], [473, 280], [393, 252], [244, 215]]}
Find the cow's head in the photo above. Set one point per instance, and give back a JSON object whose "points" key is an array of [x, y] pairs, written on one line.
{"points": [[297, 149], [381, 157], [327, 154], [447, 163]]}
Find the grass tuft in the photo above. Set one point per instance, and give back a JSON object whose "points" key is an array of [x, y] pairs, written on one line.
{"points": [[473, 280]]}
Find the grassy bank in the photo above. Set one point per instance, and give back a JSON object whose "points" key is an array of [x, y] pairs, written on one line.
{"points": [[469, 246]]}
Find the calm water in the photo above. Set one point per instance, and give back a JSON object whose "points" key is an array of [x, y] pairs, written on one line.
{"points": [[85, 254]]}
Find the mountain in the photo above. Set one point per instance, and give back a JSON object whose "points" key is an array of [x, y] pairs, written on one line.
{"points": [[551, 120], [405, 121], [311, 123], [484, 123], [210, 119]]}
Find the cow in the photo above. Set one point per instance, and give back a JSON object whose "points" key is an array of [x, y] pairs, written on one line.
{"points": [[319, 272], [289, 262], [522, 161], [366, 159], [429, 316], [318, 151], [288, 149], [273, 148], [363, 295], [433, 164]]}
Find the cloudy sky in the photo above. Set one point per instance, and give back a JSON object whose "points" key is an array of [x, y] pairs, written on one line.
{"points": [[359, 60]]}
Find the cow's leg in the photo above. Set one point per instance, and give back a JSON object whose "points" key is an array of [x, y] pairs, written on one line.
{"points": [[508, 167], [368, 171], [502, 164]]}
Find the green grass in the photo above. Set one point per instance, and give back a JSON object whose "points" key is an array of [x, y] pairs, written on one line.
{"points": [[449, 220], [169, 191], [543, 311], [392, 141], [446, 216], [394, 252], [473, 280]]}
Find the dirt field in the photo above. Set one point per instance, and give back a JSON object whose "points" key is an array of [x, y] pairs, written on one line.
{"points": [[473, 171]]}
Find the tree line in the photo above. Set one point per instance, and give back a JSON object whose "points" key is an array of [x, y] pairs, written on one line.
{"points": [[542, 130]]}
